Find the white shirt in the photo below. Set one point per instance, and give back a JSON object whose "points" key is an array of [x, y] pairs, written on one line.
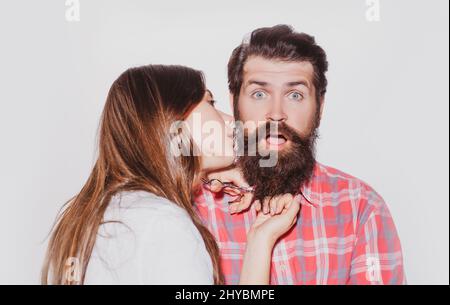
{"points": [[155, 242]]}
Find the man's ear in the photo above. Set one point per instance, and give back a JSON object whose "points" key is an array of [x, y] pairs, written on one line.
{"points": [[321, 105]]}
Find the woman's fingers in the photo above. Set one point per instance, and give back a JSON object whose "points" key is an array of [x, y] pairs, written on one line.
{"points": [[257, 206], [215, 188], [265, 206], [270, 205], [294, 208], [243, 204], [277, 204], [289, 215], [233, 175], [273, 204], [233, 208], [273, 226], [283, 203]]}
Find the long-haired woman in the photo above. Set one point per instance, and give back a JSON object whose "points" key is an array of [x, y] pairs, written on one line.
{"points": [[133, 222]]}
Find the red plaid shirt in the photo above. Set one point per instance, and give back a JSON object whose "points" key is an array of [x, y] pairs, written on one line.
{"points": [[344, 235]]}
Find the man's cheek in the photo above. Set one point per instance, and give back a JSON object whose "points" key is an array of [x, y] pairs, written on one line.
{"points": [[252, 113]]}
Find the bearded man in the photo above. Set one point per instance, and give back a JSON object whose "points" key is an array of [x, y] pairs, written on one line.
{"points": [[344, 233]]}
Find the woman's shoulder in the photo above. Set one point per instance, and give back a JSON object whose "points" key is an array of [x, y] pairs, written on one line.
{"points": [[143, 211], [142, 203], [141, 236]]}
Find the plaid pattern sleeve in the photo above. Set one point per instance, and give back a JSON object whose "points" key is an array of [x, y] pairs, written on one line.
{"points": [[377, 255], [344, 235]]}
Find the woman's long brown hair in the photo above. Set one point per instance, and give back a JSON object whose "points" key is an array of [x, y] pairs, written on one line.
{"points": [[134, 153]]}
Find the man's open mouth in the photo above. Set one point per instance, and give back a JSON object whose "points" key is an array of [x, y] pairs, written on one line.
{"points": [[276, 139]]}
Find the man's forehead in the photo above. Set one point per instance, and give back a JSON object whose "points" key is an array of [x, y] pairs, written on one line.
{"points": [[258, 66]]}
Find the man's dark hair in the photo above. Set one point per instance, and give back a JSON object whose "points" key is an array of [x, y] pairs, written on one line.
{"points": [[279, 42]]}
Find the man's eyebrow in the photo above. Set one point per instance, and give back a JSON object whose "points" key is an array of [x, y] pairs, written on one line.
{"points": [[289, 84], [297, 83], [256, 82]]}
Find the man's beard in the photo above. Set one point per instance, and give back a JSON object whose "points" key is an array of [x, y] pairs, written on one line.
{"points": [[294, 167]]}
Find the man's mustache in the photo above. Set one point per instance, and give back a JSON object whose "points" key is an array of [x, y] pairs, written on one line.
{"points": [[251, 139]]}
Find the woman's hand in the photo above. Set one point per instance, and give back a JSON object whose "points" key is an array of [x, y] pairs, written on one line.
{"points": [[262, 236], [234, 176], [283, 215]]}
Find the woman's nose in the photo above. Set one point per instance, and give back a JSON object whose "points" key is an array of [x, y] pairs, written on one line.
{"points": [[229, 123]]}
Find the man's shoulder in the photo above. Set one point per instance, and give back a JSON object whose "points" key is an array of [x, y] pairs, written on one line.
{"points": [[334, 180], [330, 172]]}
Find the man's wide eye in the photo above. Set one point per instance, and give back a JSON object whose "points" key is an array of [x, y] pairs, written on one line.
{"points": [[296, 96], [259, 95]]}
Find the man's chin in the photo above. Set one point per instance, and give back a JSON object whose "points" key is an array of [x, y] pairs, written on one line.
{"points": [[292, 168]]}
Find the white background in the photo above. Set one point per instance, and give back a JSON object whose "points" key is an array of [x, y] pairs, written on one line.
{"points": [[385, 121]]}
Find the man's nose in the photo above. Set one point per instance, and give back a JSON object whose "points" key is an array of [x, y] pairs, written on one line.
{"points": [[276, 111]]}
